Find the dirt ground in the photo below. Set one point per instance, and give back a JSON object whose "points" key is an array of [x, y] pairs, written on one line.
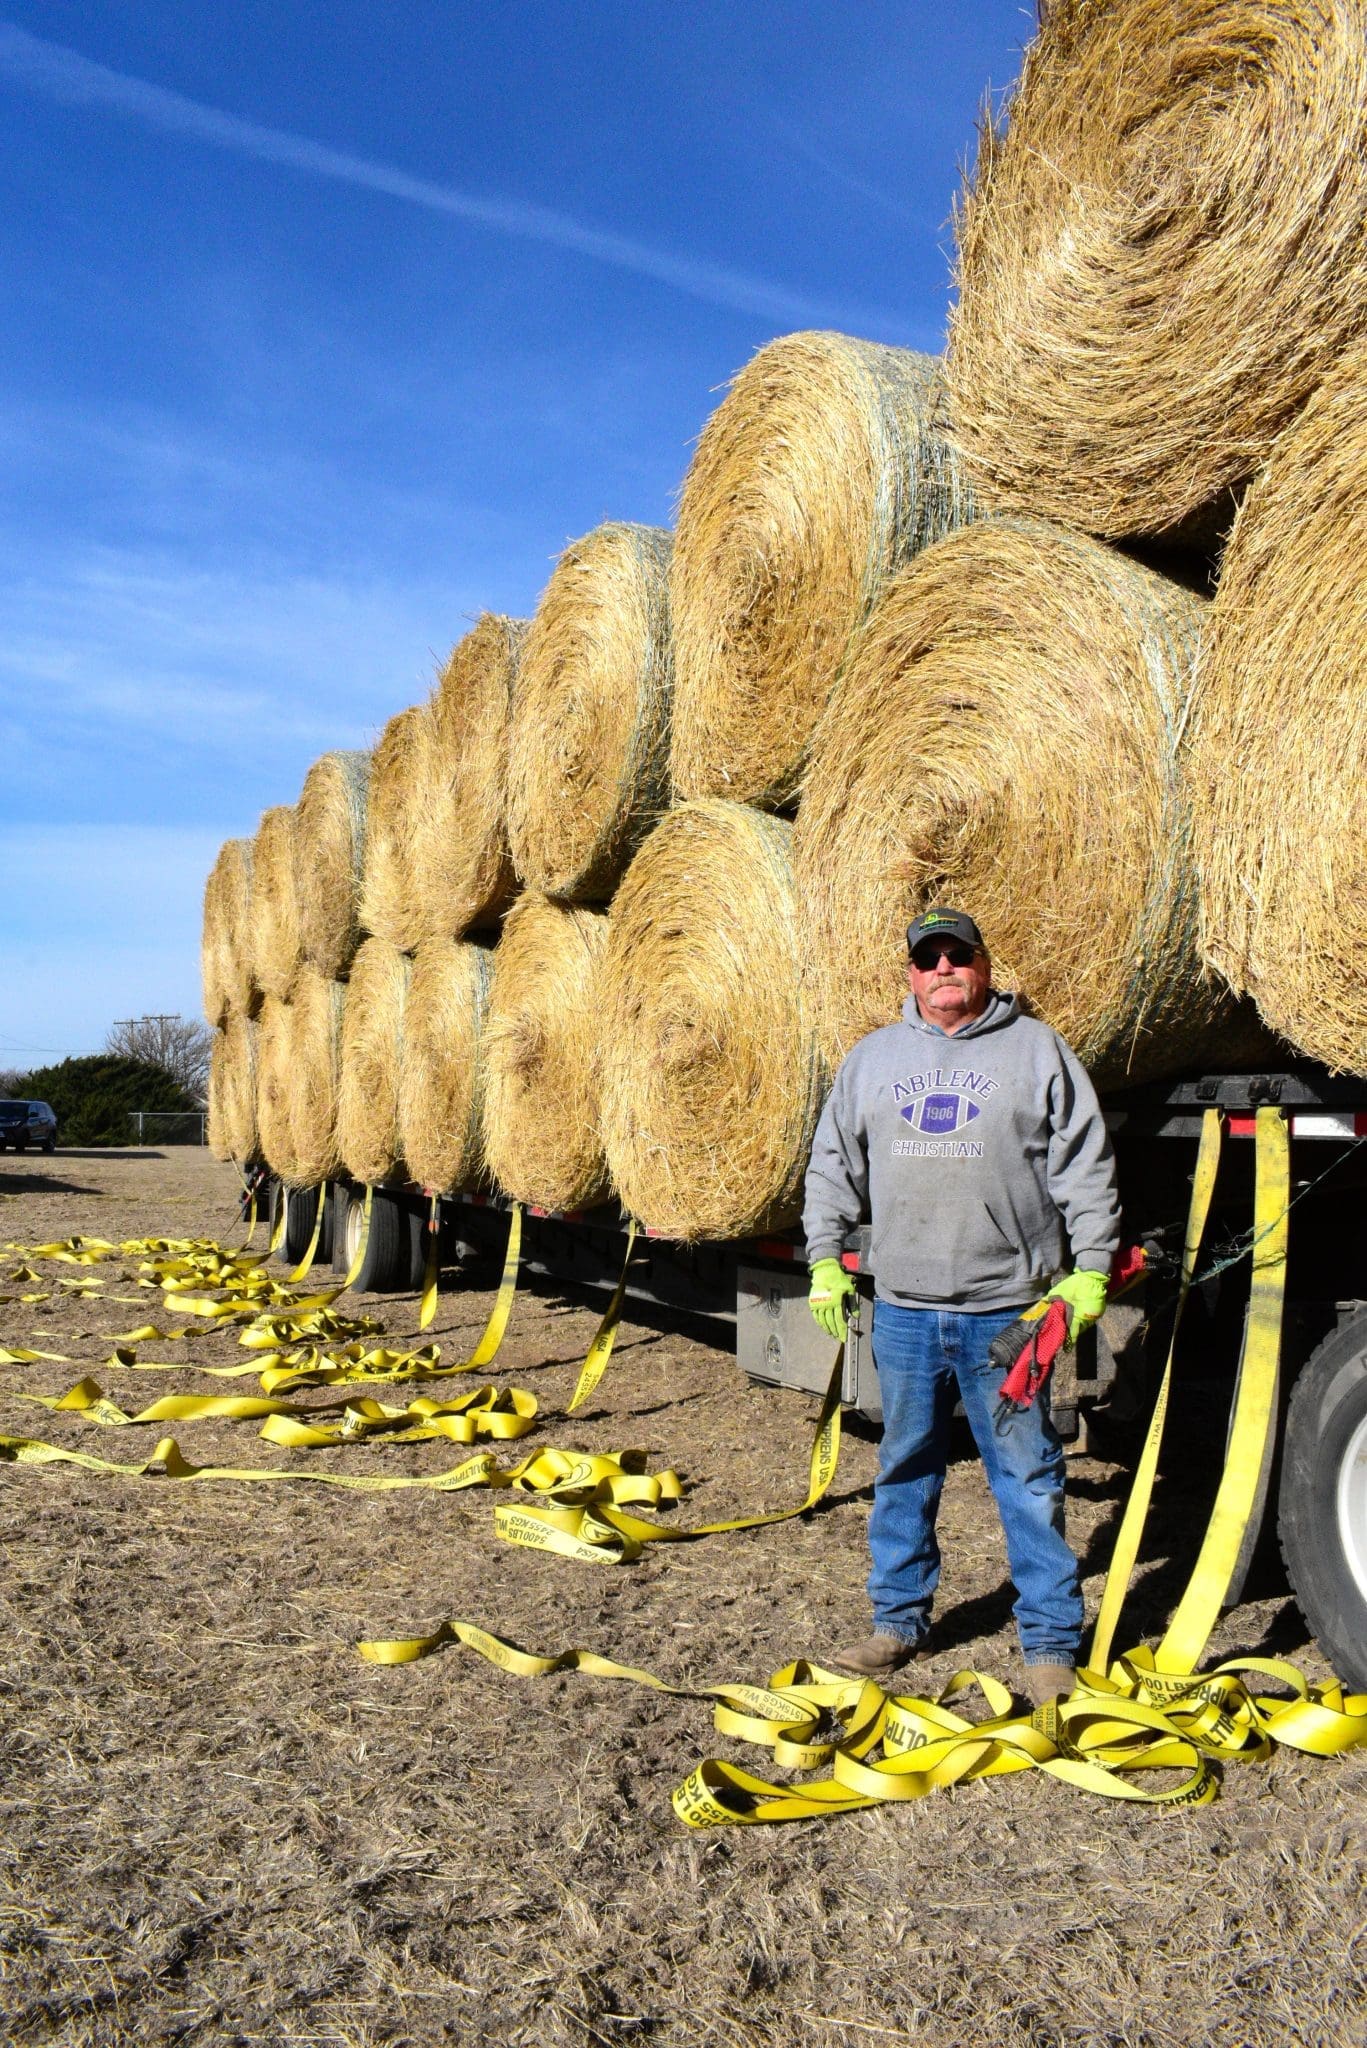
{"points": [[221, 1825]]}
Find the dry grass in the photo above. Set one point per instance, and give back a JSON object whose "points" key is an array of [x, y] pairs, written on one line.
{"points": [[329, 847], [314, 1018], [463, 870], [711, 1080], [274, 904], [441, 1081], [371, 1058], [1162, 254], [540, 1045], [824, 469], [221, 1826], [400, 772], [1005, 738], [274, 1090], [1278, 761], [232, 1091], [589, 767], [226, 954]]}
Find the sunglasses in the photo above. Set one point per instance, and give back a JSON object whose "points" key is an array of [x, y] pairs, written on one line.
{"points": [[934, 950]]}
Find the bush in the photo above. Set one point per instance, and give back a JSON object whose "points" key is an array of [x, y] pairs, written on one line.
{"points": [[92, 1097]]}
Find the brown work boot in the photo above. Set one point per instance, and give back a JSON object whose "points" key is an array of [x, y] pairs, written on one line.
{"points": [[1046, 1682], [877, 1657]]}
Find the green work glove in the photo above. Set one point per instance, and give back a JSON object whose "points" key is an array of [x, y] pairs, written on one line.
{"points": [[831, 1288], [1085, 1294]]}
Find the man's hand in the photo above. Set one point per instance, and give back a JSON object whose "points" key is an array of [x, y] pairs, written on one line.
{"points": [[832, 1287], [1085, 1296]]}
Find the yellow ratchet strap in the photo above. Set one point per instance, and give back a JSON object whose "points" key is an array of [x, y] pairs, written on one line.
{"points": [[431, 1272], [600, 1350], [1131, 1530], [301, 1271], [598, 1533]]}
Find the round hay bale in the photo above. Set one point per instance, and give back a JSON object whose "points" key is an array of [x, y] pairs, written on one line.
{"points": [[232, 1091], [588, 772], [314, 1013], [541, 1129], [274, 904], [710, 1075], [825, 467], [441, 1077], [372, 1043], [1005, 739], [400, 770], [463, 871], [1278, 736], [274, 1090], [1161, 255], [329, 849], [226, 951]]}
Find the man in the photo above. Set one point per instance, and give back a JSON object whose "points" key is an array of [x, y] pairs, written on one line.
{"points": [[972, 1139]]}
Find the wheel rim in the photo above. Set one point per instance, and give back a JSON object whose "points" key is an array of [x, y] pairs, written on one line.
{"points": [[353, 1232], [1352, 1505]]}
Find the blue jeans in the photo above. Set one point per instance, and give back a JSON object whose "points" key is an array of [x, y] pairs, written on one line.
{"points": [[920, 1355]]}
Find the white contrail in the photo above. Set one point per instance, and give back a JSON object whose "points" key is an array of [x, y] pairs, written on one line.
{"points": [[63, 74]]}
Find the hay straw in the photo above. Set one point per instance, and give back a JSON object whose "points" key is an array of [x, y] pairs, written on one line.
{"points": [[541, 1129], [400, 770], [589, 767], [274, 905], [1005, 739], [232, 1091], [711, 1081], [372, 1046], [441, 1079], [314, 1047], [1278, 754], [274, 1079], [462, 870], [226, 958], [329, 845], [1162, 254], [824, 468]]}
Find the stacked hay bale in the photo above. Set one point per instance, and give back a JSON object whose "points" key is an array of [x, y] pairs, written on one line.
{"points": [[540, 1053], [710, 1075], [329, 849], [1278, 750], [298, 1063], [400, 765], [462, 878], [368, 1138], [226, 951], [588, 771], [826, 467], [1006, 738], [232, 1090], [274, 903], [441, 1071], [1161, 255]]}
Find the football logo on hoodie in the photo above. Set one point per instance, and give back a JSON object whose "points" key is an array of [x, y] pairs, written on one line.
{"points": [[940, 1115]]}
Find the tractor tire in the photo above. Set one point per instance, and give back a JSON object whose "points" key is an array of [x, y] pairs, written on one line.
{"points": [[301, 1208], [385, 1268], [1322, 1511]]}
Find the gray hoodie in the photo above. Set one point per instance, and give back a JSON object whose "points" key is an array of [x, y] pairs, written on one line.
{"points": [[981, 1158]]}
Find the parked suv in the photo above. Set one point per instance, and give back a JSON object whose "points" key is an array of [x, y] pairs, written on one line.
{"points": [[27, 1123]]}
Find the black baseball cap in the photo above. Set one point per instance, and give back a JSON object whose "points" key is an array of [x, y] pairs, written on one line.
{"points": [[943, 924]]}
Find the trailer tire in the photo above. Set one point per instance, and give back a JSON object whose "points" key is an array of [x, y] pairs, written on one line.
{"points": [[301, 1211], [1322, 1510], [384, 1269]]}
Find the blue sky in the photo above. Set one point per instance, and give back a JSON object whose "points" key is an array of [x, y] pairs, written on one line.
{"points": [[324, 328]]}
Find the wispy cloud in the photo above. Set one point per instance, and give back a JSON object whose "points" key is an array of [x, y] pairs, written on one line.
{"points": [[836, 172], [62, 74]]}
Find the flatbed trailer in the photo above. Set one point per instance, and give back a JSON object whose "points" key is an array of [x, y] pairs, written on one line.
{"points": [[753, 1293]]}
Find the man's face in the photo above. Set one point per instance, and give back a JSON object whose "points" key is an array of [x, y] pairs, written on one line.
{"points": [[950, 981]]}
